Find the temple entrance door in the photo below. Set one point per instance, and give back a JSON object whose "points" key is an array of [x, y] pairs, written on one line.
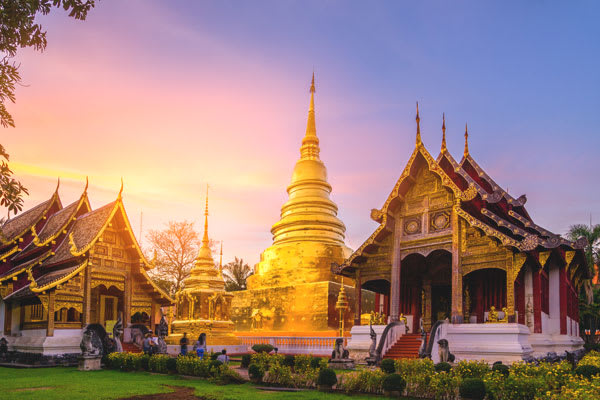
{"points": [[108, 309], [441, 300]]}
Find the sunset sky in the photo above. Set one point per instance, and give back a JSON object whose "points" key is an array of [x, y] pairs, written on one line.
{"points": [[172, 95]]}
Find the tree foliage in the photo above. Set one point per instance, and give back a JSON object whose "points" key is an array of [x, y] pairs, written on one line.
{"points": [[176, 248], [19, 29], [11, 190], [592, 235], [236, 273]]}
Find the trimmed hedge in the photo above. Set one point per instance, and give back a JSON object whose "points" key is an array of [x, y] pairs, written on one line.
{"points": [[327, 377], [388, 366], [289, 361], [246, 358], [503, 369], [394, 383], [472, 389], [443, 366], [255, 372], [262, 348]]}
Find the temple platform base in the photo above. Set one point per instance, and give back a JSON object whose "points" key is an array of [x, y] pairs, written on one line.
{"points": [[64, 341], [294, 308], [506, 342], [360, 342], [217, 332]]}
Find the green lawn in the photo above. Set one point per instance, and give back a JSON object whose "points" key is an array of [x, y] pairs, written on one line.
{"points": [[69, 383]]}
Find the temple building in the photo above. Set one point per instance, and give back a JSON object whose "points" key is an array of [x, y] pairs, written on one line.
{"points": [[452, 244], [62, 268], [203, 305], [293, 288]]}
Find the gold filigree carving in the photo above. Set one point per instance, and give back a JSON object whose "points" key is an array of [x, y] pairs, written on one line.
{"points": [[543, 257]]}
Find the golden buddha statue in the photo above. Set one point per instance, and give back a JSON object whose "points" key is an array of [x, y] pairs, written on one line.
{"points": [[492, 315], [293, 282]]}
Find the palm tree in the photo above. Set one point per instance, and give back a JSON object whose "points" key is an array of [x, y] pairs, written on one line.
{"points": [[592, 235], [236, 273]]}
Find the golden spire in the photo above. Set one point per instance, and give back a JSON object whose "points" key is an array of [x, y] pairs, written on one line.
{"points": [[221, 260], [444, 148], [310, 144], [205, 237], [419, 142], [466, 153], [120, 190]]}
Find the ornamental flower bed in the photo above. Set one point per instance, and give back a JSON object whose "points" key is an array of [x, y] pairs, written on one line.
{"points": [[422, 379]]}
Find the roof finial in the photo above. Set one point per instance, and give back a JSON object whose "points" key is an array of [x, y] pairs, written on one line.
{"points": [[466, 141], [121, 190], [419, 142], [57, 185], [444, 148], [86, 185], [205, 237], [310, 144]]}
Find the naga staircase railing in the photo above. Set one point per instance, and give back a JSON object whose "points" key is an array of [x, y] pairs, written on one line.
{"points": [[431, 340], [392, 332]]}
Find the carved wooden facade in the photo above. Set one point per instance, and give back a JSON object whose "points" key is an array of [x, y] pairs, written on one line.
{"points": [[446, 225], [74, 266]]}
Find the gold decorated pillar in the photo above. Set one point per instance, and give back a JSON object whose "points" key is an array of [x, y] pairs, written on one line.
{"points": [[457, 292], [87, 300], [426, 305], [127, 300], [358, 298], [50, 327]]}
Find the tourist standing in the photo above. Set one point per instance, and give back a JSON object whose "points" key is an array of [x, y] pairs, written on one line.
{"points": [[183, 343], [146, 345]]}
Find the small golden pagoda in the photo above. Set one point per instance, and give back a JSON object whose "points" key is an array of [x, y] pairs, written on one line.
{"points": [[293, 288], [203, 305]]}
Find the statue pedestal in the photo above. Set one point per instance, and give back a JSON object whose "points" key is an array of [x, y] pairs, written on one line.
{"points": [[360, 341], [342, 363], [90, 363]]}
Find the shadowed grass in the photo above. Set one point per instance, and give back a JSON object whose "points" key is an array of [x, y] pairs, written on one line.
{"points": [[69, 383]]}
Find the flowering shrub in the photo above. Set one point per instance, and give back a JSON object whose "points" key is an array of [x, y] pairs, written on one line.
{"points": [[444, 385], [159, 363], [280, 375], [591, 358], [364, 381], [578, 389], [417, 373], [471, 369]]}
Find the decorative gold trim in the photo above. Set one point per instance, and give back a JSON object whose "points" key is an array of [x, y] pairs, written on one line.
{"points": [[543, 257], [34, 287], [10, 252], [474, 222]]}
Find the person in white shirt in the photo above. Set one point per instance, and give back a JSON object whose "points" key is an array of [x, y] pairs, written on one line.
{"points": [[223, 357]]}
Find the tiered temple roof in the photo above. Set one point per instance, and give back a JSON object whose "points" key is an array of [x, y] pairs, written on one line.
{"points": [[36, 262], [481, 202]]}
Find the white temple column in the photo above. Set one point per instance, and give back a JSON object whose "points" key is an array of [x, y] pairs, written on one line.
{"points": [[554, 298]]}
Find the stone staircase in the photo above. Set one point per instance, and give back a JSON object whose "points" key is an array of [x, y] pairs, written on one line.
{"points": [[406, 347], [131, 348]]}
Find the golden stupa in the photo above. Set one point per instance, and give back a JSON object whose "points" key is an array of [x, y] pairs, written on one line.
{"points": [[293, 288], [203, 305]]}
